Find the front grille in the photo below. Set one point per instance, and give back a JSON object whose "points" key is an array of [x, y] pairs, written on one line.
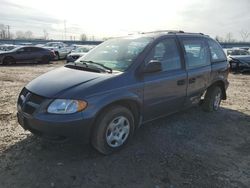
{"points": [[29, 102]]}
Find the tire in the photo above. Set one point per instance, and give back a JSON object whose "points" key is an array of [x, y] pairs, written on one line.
{"points": [[212, 99], [113, 129], [57, 56], [9, 61]]}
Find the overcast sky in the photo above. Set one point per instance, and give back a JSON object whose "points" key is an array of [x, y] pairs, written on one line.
{"points": [[104, 18]]}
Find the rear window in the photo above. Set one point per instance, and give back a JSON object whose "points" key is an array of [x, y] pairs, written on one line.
{"points": [[217, 53]]}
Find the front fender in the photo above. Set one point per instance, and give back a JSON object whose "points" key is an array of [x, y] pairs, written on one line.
{"points": [[98, 102]]}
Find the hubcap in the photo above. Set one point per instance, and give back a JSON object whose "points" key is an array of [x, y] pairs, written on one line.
{"points": [[117, 131], [217, 101]]}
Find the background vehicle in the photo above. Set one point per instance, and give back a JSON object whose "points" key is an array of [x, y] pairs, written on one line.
{"points": [[236, 51], [239, 63], [26, 54], [7, 47], [61, 49], [239, 59], [78, 52], [104, 96]]}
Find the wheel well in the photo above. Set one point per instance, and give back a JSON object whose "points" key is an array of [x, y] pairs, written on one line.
{"points": [[8, 57], [132, 105], [221, 84]]}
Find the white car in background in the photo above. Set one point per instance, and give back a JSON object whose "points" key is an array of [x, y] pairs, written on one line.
{"points": [[61, 49], [79, 52]]}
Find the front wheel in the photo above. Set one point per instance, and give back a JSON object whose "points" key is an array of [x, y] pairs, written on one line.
{"points": [[212, 99], [9, 61], [113, 129]]}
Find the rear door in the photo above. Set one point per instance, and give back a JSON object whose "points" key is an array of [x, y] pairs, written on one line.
{"points": [[198, 65], [165, 91]]}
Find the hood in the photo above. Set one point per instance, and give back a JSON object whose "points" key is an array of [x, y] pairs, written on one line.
{"points": [[243, 58], [77, 53], [4, 52], [50, 48], [55, 82]]}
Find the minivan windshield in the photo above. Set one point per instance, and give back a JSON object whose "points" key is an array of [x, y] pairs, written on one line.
{"points": [[117, 54]]}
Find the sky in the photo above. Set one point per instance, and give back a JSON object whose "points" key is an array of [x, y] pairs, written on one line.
{"points": [[109, 18]]}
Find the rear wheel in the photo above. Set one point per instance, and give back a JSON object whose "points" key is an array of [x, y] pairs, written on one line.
{"points": [[9, 61], [113, 129], [212, 99], [57, 56]]}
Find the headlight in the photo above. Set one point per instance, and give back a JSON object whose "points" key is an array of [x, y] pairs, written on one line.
{"points": [[65, 106]]}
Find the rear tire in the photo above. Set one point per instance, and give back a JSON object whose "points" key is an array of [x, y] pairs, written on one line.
{"points": [[57, 56], [212, 99], [113, 129]]}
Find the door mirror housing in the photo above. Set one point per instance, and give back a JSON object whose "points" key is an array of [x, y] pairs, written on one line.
{"points": [[152, 66]]}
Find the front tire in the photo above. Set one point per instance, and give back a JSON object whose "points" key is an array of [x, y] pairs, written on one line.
{"points": [[113, 129], [9, 61], [212, 99]]}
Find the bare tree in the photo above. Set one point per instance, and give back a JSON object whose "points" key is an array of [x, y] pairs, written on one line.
{"points": [[3, 32], [20, 35], [244, 35], [28, 35], [229, 38], [219, 39], [45, 34], [83, 37]]}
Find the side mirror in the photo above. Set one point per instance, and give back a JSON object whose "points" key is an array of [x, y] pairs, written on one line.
{"points": [[153, 66]]}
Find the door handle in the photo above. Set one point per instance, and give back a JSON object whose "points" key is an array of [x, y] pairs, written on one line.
{"points": [[180, 82], [192, 80]]}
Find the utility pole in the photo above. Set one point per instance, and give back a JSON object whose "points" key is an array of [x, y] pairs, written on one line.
{"points": [[8, 29], [64, 29]]}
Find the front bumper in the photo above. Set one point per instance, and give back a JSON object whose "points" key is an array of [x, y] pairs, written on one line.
{"points": [[32, 116], [56, 127]]}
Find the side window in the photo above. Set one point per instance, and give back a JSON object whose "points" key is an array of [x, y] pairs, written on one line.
{"points": [[217, 54], [196, 53], [167, 53]]}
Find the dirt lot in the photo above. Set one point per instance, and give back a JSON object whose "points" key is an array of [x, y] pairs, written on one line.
{"points": [[188, 149]]}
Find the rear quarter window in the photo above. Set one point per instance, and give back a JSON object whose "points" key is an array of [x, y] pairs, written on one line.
{"points": [[217, 53]]}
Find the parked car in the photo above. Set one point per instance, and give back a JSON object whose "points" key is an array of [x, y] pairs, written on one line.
{"points": [[239, 63], [61, 49], [7, 47], [236, 51], [79, 52], [106, 95], [26, 54]]}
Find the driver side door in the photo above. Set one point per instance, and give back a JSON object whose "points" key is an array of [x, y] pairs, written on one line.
{"points": [[165, 91]]}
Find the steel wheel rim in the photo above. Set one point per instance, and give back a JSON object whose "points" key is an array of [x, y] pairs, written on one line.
{"points": [[117, 131], [217, 100]]}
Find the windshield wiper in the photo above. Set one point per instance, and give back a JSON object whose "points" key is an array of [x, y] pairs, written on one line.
{"points": [[99, 64]]}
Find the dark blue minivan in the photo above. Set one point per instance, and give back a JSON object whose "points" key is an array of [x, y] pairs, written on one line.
{"points": [[124, 82]]}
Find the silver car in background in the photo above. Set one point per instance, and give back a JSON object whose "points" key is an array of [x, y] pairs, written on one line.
{"points": [[79, 52]]}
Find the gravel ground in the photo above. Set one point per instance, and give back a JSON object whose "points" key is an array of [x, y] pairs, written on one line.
{"points": [[188, 149]]}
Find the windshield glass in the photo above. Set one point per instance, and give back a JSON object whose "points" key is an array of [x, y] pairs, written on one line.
{"points": [[117, 54]]}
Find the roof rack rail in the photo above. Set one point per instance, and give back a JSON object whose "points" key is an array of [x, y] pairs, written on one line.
{"points": [[163, 31], [169, 31]]}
